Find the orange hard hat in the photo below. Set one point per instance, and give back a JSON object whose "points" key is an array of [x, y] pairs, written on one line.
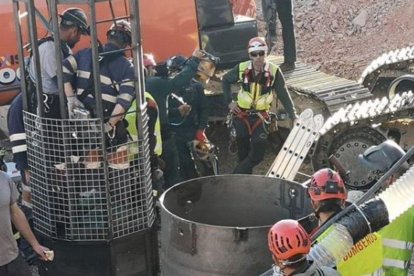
{"points": [[287, 238]]}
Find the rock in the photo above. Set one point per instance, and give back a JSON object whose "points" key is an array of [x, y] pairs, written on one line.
{"points": [[361, 19], [333, 9], [349, 32], [334, 25]]}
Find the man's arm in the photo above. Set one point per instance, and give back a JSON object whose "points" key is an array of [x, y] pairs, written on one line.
{"points": [[20, 222], [229, 78], [282, 92], [125, 97], [17, 133], [188, 72], [70, 66]]}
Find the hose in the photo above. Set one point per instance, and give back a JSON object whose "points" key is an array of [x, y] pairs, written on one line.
{"points": [[369, 194], [370, 216]]}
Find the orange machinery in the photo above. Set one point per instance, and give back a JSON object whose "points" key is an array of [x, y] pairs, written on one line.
{"points": [[168, 27]]}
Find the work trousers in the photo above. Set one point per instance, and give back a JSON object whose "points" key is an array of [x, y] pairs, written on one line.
{"points": [[250, 147], [17, 267], [284, 10], [170, 157], [187, 166]]}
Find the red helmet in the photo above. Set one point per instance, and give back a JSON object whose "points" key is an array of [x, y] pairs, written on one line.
{"points": [[257, 44], [149, 60], [287, 238], [327, 184]]}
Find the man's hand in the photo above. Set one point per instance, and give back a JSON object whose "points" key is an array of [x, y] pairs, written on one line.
{"points": [[41, 251], [73, 102], [184, 109], [201, 136], [198, 54], [234, 108], [108, 127]]}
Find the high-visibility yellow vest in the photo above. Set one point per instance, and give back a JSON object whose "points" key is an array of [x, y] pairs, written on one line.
{"points": [[398, 244], [387, 252], [259, 95], [364, 258], [131, 117]]}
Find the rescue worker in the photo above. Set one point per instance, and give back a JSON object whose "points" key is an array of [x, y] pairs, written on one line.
{"points": [[19, 148], [188, 117], [259, 79], [117, 86], [11, 263], [160, 87], [17, 136], [289, 244], [328, 194], [154, 131], [284, 9], [397, 238], [73, 24]]}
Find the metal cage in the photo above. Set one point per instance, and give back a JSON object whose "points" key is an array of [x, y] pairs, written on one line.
{"points": [[77, 197]]}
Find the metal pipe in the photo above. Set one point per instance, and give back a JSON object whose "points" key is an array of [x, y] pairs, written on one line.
{"points": [[59, 58], [35, 54], [22, 65]]}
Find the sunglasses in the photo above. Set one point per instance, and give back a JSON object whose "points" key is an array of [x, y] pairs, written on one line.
{"points": [[255, 54]]}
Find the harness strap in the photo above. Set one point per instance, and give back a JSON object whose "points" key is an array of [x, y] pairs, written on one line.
{"points": [[263, 117]]}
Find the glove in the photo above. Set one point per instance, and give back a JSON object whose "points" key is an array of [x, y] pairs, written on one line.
{"points": [[73, 102], [201, 136]]}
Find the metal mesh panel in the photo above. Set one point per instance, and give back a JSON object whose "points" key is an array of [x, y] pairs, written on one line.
{"points": [[80, 195]]}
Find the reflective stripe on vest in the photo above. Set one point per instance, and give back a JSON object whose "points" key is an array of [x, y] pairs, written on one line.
{"points": [[395, 263], [398, 244], [253, 99], [131, 117]]}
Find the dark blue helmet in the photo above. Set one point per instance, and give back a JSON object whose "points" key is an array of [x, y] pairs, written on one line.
{"points": [[176, 63], [75, 17]]}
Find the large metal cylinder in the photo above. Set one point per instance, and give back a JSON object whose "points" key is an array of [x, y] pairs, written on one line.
{"points": [[218, 225]]}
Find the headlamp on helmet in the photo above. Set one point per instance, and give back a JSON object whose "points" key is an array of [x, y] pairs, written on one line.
{"points": [[75, 17], [257, 44], [327, 184], [121, 31]]}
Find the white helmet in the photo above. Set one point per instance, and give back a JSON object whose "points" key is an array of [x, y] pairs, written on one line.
{"points": [[121, 29], [257, 44]]}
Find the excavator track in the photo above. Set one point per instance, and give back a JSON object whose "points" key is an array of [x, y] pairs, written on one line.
{"points": [[381, 71], [352, 129], [332, 91], [357, 119]]}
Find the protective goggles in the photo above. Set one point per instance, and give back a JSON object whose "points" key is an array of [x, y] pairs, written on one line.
{"points": [[256, 54]]}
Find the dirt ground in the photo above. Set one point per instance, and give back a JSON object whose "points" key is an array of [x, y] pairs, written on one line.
{"points": [[340, 38], [343, 37]]}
